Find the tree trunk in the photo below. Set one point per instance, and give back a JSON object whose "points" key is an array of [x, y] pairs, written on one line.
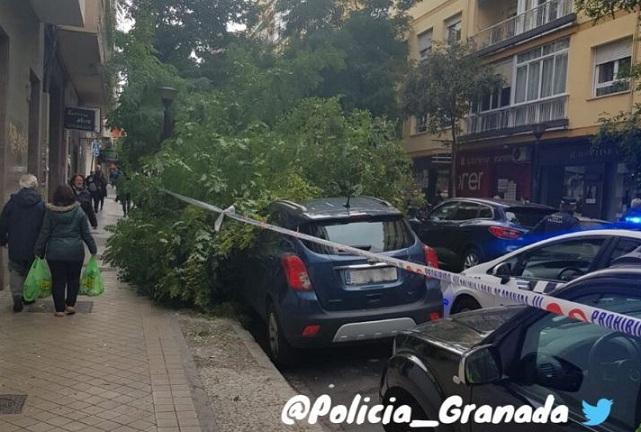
{"points": [[453, 173]]}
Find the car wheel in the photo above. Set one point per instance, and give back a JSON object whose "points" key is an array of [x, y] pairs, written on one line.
{"points": [[280, 351], [465, 304], [471, 258]]}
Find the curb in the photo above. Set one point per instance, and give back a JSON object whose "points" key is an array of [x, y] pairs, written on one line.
{"points": [[255, 380], [202, 403], [264, 361]]}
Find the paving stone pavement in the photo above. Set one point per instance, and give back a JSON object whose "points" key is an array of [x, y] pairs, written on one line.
{"points": [[122, 367]]}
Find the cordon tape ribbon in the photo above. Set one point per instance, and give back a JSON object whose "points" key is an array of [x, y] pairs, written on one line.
{"points": [[603, 318]]}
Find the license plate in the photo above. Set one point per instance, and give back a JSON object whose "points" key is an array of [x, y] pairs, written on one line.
{"points": [[369, 276]]}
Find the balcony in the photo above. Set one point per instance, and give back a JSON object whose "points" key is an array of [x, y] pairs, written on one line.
{"points": [[538, 20], [60, 12], [518, 118], [84, 51]]}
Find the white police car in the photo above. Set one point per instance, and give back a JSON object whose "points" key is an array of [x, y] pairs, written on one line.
{"points": [[542, 266]]}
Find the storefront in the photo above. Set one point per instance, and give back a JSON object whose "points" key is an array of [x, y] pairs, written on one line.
{"points": [[505, 172], [433, 175], [597, 178]]}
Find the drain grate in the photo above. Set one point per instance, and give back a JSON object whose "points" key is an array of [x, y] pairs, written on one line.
{"points": [[46, 306], [12, 404]]}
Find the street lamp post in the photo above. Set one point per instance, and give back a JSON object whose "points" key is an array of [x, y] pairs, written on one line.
{"points": [[538, 130], [167, 95]]}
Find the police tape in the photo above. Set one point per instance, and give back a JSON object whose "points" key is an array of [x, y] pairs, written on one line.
{"points": [[577, 311]]}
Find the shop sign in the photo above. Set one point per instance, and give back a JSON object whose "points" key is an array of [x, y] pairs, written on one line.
{"points": [[478, 173], [584, 153], [83, 119]]}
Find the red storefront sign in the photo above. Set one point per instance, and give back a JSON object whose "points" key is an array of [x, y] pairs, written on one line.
{"points": [[504, 172]]}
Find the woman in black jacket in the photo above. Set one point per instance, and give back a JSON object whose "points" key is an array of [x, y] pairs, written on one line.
{"points": [[83, 197], [62, 240]]}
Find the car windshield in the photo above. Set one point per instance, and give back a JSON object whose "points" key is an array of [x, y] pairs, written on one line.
{"points": [[583, 361], [374, 235], [526, 217]]}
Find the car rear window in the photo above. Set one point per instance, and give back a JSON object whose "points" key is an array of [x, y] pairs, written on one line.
{"points": [[374, 235], [525, 216]]}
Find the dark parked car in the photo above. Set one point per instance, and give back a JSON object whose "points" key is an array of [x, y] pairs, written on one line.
{"points": [[519, 356], [312, 295], [468, 231]]}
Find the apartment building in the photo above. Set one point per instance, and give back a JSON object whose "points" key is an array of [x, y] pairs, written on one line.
{"points": [[533, 139], [53, 89]]}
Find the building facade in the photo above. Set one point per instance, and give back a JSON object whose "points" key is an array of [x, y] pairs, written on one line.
{"points": [[533, 139], [52, 57]]}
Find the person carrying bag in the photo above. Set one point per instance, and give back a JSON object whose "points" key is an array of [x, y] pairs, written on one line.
{"points": [[64, 232]]}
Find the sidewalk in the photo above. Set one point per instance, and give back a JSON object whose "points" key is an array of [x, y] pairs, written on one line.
{"points": [[120, 364]]}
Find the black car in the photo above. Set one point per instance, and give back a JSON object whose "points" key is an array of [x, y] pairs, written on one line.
{"points": [[519, 356], [312, 295], [468, 231]]}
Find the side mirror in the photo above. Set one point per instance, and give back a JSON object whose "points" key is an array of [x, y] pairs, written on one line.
{"points": [[479, 366], [503, 271]]}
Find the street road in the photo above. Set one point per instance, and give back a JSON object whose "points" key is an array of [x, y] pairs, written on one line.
{"points": [[342, 373]]}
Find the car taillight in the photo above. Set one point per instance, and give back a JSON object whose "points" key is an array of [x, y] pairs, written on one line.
{"points": [[431, 257], [434, 316], [311, 330], [505, 233], [296, 273]]}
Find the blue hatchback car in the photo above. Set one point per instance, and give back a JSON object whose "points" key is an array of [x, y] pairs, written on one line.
{"points": [[314, 296]]}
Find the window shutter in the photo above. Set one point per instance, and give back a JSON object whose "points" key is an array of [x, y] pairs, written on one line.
{"points": [[613, 51], [424, 41]]}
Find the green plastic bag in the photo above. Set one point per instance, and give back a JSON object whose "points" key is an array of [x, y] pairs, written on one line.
{"points": [[91, 282], [38, 281]]}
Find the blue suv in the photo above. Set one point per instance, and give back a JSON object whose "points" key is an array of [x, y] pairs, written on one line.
{"points": [[313, 296]]}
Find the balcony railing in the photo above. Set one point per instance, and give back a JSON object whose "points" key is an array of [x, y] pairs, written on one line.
{"points": [[532, 19], [519, 116]]}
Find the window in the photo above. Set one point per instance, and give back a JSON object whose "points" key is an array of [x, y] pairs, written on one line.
{"points": [[560, 261], [453, 29], [486, 213], [612, 65], [371, 235], [498, 98], [445, 212], [541, 72], [421, 124], [577, 361], [424, 44], [624, 246], [467, 211]]}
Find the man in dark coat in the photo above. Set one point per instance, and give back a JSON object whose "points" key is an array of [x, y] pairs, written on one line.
{"points": [[20, 225], [97, 186], [559, 223]]}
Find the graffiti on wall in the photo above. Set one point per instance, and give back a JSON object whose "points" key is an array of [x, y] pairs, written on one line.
{"points": [[18, 143]]}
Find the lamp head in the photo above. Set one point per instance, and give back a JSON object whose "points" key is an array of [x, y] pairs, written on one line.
{"points": [[168, 93]]}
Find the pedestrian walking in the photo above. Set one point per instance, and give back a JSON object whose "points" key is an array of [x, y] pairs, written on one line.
{"points": [[83, 196], [122, 190], [97, 187], [20, 224], [64, 230]]}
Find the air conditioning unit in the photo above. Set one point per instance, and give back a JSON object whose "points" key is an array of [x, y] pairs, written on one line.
{"points": [[521, 154]]}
